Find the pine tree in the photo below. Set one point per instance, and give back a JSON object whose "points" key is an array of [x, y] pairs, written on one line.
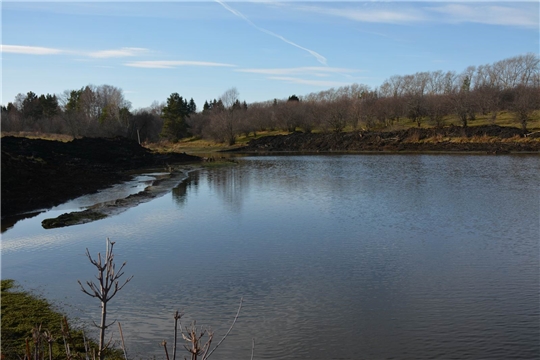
{"points": [[192, 107], [174, 117], [293, 98], [206, 107]]}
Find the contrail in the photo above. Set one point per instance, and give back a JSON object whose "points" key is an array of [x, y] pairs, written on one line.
{"points": [[319, 57]]}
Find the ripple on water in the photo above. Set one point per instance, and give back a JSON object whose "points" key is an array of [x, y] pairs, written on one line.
{"points": [[351, 257]]}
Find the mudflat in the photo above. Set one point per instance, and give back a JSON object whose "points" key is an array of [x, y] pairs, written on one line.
{"points": [[38, 174]]}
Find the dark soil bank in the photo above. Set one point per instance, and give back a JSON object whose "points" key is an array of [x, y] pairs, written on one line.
{"points": [[37, 174], [405, 140]]}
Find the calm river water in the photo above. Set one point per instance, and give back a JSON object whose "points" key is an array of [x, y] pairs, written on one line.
{"points": [[336, 257]]}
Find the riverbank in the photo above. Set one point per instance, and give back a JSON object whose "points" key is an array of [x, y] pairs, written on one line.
{"points": [[39, 174], [22, 312], [162, 184], [490, 139]]}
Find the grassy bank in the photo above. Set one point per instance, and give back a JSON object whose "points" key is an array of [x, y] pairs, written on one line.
{"points": [[202, 147], [23, 313], [197, 146]]}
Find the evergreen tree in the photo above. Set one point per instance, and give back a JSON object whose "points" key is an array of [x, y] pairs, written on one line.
{"points": [[31, 107], [73, 103], [219, 105], [206, 107], [293, 98], [174, 117], [236, 105], [192, 107], [49, 104]]}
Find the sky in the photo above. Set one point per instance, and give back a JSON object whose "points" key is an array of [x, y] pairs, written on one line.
{"points": [[264, 49]]}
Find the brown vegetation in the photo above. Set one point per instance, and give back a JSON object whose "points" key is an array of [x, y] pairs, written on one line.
{"points": [[435, 98], [487, 139]]}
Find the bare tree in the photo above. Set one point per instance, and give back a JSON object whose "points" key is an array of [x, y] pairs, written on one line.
{"points": [[196, 344], [107, 287], [337, 114], [526, 101], [416, 108], [228, 117], [436, 107]]}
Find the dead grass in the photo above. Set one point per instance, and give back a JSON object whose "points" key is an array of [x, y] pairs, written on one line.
{"points": [[484, 139], [37, 135], [200, 146], [413, 138], [196, 146], [504, 118], [190, 146]]}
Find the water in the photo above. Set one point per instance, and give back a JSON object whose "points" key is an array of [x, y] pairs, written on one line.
{"points": [[336, 257]]}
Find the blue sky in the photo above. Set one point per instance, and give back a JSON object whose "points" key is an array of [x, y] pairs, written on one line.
{"points": [[266, 49]]}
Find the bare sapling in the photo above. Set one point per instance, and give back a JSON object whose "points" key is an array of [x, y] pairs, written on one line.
{"points": [[196, 343], [107, 287]]}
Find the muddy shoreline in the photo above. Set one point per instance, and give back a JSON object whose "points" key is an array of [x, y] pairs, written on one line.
{"points": [[39, 174], [161, 185], [490, 139]]}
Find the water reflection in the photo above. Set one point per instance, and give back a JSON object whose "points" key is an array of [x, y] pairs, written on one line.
{"points": [[180, 192], [231, 185], [412, 256]]}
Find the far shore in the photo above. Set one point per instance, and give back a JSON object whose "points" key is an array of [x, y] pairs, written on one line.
{"points": [[39, 174]]}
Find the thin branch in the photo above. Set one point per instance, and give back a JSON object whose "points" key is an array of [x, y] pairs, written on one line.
{"points": [[164, 344], [177, 317], [224, 336], [123, 343], [85, 346]]}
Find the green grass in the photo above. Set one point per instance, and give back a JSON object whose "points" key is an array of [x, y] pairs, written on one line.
{"points": [[22, 312], [197, 146]]}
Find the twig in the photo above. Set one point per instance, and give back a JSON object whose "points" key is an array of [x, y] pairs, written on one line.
{"points": [[252, 347], [224, 336], [28, 356], [123, 343], [50, 340], [177, 316], [85, 346], [164, 344], [65, 334]]}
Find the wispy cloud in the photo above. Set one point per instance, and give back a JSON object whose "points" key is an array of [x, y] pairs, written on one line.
{"points": [[371, 15], [170, 64], [490, 14], [314, 70], [321, 83], [115, 53], [520, 14], [100, 54], [317, 56], [30, 50]]}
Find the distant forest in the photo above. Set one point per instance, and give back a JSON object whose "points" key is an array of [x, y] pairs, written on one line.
{"points": [[511, 85]]}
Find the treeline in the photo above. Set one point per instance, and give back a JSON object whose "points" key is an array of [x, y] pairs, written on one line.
{"points": [[510, 85], [93, 111]]}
